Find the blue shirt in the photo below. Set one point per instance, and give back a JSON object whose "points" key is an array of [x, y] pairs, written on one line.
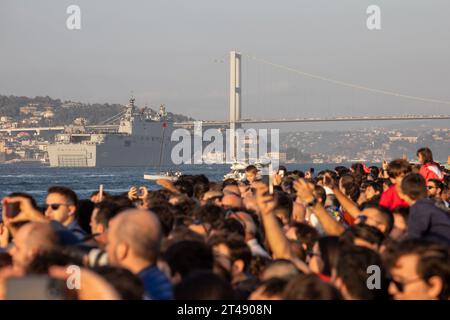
{"points": [[156, 284], [429, 220], [75, 228]]}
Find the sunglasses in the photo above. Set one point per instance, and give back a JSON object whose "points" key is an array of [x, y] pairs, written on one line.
{"points": [[55, 206]]}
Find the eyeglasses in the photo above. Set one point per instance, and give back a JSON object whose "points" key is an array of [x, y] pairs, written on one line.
{"points": [[55, 206], [401, 285]]}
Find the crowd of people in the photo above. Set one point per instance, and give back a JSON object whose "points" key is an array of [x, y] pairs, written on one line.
{"points": [[345, 233]]}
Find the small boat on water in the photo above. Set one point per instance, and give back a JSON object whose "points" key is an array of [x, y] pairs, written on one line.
{"points": [[168, 175], [237, 170]]}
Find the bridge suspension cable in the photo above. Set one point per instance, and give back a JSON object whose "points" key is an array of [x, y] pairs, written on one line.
{"points": [[345, 84]]}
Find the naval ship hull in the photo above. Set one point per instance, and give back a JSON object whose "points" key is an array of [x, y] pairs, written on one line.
{"points": [[140, 141], [128, 153]]}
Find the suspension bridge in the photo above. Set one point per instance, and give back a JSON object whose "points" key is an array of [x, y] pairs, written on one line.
{"points": [[235, 102]]}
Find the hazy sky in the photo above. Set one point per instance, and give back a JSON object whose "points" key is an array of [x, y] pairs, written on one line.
{"points": [[169, 51]]}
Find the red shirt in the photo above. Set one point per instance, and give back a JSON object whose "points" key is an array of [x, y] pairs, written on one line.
{"points": [[391, 200], [431, 171]]}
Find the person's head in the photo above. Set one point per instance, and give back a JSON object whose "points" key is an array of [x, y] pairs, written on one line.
{"points": [[32, 239], [61, 204], [304, 234], [271, 289], [349, 186], [310, 287], [134, 239], [251, 173], [62, 256], [320, 194], [283, 209], [247, 222], [424, 155], [376, 216], [235, 249], [373, 190], [420, 270], [323, 257], [85, 208], [203, 285], [127, 284], [102, 214], [363, 235], [435, 188], [400, 222], [360, 274], [186, 256], [280, 268], [231, 201], [397, 169], [413, 188], [374, 172]]}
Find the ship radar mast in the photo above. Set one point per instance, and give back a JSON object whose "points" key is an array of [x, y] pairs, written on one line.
{"points": [[162, 114]]}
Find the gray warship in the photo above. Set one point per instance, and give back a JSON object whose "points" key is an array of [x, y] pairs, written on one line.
{"points": [[140, 140]]}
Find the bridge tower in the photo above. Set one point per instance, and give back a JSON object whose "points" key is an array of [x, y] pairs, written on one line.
{"points": [[235, 99]]}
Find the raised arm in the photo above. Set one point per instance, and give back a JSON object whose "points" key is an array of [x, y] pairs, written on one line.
{"points": [[306, 195]]}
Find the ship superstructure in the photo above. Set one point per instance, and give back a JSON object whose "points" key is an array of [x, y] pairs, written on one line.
{"points": [[140, 140]]}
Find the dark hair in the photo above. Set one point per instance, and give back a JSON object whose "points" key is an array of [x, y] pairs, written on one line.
{"points": [[232, 226], [414, 186], [306, 234], [284, 204], [5, 259], [68, 193], [439, 184], [203, 285], [348, 182], [239, 250], [166, 215], [274, 286], [211, 214], [46, 259], [279, 268], [127, 284], [374, 172], [184, 187], [106, 211], [320, 193], [375, 185], [426, 154], [251, 168], [434, 260], [385, 212], [398, 167], [352, 269], [185, 256], [358, 169], [341, 170], [84, 213], [310, 287], [363, 231], [329, 251]]}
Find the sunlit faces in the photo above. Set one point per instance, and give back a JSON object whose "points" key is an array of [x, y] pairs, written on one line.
{"points": [[407, 283], [59, 208]]}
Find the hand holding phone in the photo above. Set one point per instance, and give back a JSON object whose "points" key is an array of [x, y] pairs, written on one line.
{"points": [[12, 209]]}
